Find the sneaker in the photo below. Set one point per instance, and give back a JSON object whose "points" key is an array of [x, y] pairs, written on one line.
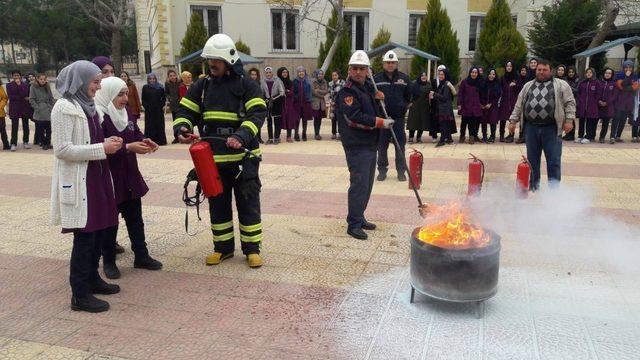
{"points": [[585, 141], [270, 142], [578, 140], [612, 141], [13, 148], [434, 140], [276, 141], [601, 140], [89, 303], [26, 146], [338, 137], [634, 140], [492, 139]]}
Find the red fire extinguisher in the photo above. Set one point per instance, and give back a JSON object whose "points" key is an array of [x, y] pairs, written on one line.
{"points": [[476, 176], [416, 160], [523, 176], [206, 169]]}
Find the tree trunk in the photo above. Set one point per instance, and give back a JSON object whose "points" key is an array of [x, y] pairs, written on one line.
{"points": [[336, 39], [13, 52], [611, 11], [116, 50]]}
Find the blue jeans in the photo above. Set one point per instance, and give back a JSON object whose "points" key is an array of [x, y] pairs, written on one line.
{"points": [[543, 138]]}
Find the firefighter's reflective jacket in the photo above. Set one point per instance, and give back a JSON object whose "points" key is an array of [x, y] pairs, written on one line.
{"points": [[231, 105]]}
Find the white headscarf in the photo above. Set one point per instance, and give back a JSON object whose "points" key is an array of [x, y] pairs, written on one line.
{"points": [[110, 88], [73, 83]]}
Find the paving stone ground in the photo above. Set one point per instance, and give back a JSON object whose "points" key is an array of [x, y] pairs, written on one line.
{"points": [[568, 285]]}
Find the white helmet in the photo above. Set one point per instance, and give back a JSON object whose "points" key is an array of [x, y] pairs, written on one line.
{"points": [[220, 46], [359, 57], [390, 56]]}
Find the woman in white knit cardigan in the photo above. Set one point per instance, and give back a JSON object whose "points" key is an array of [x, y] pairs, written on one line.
{"points": [[82, 199]]}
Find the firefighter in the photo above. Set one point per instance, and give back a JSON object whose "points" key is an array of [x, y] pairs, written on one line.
{"points": [[396, 87], [233, 111], [359, 127]]}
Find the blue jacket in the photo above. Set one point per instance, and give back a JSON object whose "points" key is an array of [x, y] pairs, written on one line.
{"points": [[356, 112], [397, 92]]}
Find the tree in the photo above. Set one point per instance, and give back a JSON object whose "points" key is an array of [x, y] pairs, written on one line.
{"points": [[194, 39], [566, 28], [499, 39], [436, 36], [342, 52], [382, 38], [242, 47], [112, 15]]}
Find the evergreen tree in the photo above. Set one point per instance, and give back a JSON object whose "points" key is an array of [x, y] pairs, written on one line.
{"points": [[564, 29], [382, 38], [242, 47], [194, 39], [499, 39], [436, 36], [340, 61]]}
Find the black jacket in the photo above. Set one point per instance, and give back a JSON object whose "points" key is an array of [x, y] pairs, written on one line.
{"points": [[356, 111], [232, 106], [397, 92]]}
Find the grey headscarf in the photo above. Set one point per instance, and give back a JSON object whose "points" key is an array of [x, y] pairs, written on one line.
{"points": [[73, 83]]}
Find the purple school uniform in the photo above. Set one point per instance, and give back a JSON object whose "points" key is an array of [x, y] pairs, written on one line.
{"points": [[127, 180], [608, 95], [491, 115], [18, 103], [289, 112], [587, 102], [469, 100], [101, 203], [626, 94], [509, 97], [302, 99]]}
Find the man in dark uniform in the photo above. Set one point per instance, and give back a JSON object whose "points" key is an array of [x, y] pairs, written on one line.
{"points": [[233, 111], [397, 91], [359, 127]]}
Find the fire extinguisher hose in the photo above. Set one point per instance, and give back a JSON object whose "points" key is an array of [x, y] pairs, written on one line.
{"points": [[399, 151]]}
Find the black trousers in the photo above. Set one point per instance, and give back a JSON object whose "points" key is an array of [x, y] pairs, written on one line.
{"points": [[383, 147], [85, 256], [317, 122], [619, 121], [492, 127], [334, 123], [222, 215], [446, 129], [503, 124], [37, 135], [470, 122], [362, 169], [15, 122], [45, 132], [604, 128], [3, 133], [131, 212], [591, 128], [634, 131], [417, 133], [274, 121]]}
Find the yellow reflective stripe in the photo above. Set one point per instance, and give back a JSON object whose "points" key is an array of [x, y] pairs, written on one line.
{"points": [[255, 238], [251, 228], [254, 102], [234, 157], [220, 115], [182, 120], [223, 226], [224, 237], [190, 105], [251, 126]]}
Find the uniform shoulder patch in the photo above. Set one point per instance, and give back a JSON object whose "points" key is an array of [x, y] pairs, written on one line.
{"points": [[348, 100]]}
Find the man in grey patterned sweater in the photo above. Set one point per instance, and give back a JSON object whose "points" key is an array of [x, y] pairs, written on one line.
{"points": [[548, 107]]}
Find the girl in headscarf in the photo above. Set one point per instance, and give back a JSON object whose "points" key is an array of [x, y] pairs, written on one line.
{"points": [[627, 85], [105, 65], [419, 118], [302, 101], [172, 92], [254, 74], [289, 112], [443, 96], [589, 92], [574, 82], [82, 198], [41, 100], [469, 106], [134, 104], [187, 80], [561, 72], [273, 89], [128, 184], [319, 89], [606, 103], [510, 89], [523, 72], [335, 85], [153, 100], [490, 96]]}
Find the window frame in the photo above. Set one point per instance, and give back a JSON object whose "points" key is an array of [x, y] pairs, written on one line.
{"points": [[205, 17], [419, 17], [366, 30], [283, 35]]}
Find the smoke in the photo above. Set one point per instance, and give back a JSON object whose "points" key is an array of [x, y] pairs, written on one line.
{"points": [[560, 225]]}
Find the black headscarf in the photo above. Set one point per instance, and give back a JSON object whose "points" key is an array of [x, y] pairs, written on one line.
{"points": [[493, 85], [286, 81], [415, 91], [447, 78], [565, 71], [474, 82], [523, 78], [510, 76], [575, 73]]}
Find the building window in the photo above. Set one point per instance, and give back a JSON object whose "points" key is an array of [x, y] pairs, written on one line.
{"points": [[414, 26], [284, 30], [475, 26], [211, 15], [358, 24]]}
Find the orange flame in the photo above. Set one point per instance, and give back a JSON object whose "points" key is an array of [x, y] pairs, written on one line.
{"points": [[449, 228]]}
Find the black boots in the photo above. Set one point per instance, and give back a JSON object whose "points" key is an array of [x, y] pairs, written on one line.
{"points": [[89, 303], [147, 263], [104, 288], [111, 271]]}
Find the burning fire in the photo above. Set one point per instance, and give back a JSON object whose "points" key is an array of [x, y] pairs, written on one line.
{"points": [[449, 228]]}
